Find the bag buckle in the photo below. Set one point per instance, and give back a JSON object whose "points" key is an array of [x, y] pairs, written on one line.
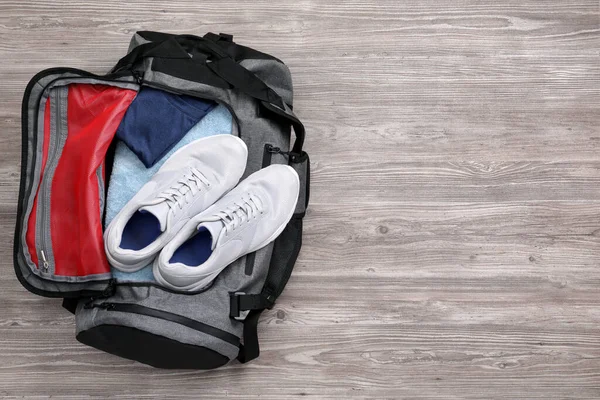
{"points": [[234, 306], [240, 304]]}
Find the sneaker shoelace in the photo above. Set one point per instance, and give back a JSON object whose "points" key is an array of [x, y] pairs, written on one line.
{"points": [[192, 183], [239, 212]]}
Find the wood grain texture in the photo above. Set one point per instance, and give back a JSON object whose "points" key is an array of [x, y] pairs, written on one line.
{"points": [[452, 245]]}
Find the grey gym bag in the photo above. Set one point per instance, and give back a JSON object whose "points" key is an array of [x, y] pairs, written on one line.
{"points": [[55, 256]]}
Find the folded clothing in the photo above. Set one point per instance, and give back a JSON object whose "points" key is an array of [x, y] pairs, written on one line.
{"points": [[129, 175], [157, 120]]}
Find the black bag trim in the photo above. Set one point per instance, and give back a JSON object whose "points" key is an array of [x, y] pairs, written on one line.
{"points": [[148, 348], [168, 316], [289, 244], [70, 304], [221, 36]]}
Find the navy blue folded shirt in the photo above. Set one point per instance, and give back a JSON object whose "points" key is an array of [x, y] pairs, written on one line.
{"points": [[156, 120]]}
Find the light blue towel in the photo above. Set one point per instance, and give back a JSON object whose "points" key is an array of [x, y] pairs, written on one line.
{"points": [[129, 175]]}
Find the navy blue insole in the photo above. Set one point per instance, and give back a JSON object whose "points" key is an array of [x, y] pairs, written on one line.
{"points": [[142, 229], [195, 250]]}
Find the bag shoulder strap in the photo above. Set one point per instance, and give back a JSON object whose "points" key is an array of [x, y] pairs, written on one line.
{"points": [[174, 48]]}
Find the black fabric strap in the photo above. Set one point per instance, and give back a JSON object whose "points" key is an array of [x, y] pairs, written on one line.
{"points": [[250, 349], [294, 121], [221, 36], [285, 252], [256, 304], [245, 81], [181, 47], [169, 49], [175, 48]]}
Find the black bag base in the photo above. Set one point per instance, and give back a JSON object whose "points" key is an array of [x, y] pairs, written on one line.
{"points": [[148, 348]]}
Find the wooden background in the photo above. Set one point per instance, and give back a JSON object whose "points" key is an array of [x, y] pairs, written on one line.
{"points": [[452, 246]]}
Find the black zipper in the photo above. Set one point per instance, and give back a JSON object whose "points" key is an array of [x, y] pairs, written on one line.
{"points": [[168, 316], [268, 154]]}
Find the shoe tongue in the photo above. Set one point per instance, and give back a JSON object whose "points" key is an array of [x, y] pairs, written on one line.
{"points": [[160, 211], [215, 228]]}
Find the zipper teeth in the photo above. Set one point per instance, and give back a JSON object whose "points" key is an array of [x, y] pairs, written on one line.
{"points": [[57, 142], [44, 194], [171, 317]]}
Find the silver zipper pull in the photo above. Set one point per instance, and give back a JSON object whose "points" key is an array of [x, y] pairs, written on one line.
{"points": [[45, 265]]}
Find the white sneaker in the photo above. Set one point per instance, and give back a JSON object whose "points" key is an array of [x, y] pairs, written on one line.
{"points": [[249, 217], [191, 180]]}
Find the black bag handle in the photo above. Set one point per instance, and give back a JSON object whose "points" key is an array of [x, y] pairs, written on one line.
{"points": [[190, 47]]}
